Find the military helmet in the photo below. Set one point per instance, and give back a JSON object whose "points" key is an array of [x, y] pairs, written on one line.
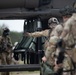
{"points": [[68, 10], [6, 31], [53, 20]]}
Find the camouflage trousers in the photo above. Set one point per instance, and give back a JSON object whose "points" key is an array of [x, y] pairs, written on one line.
{"points": [[5, 59], [46, 69]]}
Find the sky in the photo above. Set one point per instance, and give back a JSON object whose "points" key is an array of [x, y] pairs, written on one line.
{"points": [[13, 25]]}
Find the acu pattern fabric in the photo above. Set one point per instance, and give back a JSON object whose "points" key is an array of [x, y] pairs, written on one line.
{"points": [[70, 39], [70, 26], [54, 37], [5, 52]]}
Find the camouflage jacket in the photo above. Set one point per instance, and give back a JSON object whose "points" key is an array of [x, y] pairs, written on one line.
{"points": [[5, 44]]}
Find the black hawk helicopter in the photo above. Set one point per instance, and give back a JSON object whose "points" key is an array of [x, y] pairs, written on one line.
{"points": [[36, 14]]}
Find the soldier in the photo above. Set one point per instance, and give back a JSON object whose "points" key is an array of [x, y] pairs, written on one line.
{"points": [[66, 14], [68, 36], [5, 49], [52, 34], [55, 29]]}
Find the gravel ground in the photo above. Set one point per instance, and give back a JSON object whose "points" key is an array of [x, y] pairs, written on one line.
{"points": [[25, 73]]}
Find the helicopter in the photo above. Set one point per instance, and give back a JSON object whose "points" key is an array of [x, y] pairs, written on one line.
{"points": [[36, 14], [23, 9]]}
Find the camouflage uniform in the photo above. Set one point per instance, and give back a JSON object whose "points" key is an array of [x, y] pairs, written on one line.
{"points": [[5, 51], [69, 36], [70, 28], [51, 49]]}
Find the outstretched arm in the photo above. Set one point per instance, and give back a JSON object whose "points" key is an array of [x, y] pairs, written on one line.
{"points": [[37, 34]]}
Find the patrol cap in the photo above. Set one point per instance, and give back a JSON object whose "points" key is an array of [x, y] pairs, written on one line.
{"points": [[53, 20]]}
